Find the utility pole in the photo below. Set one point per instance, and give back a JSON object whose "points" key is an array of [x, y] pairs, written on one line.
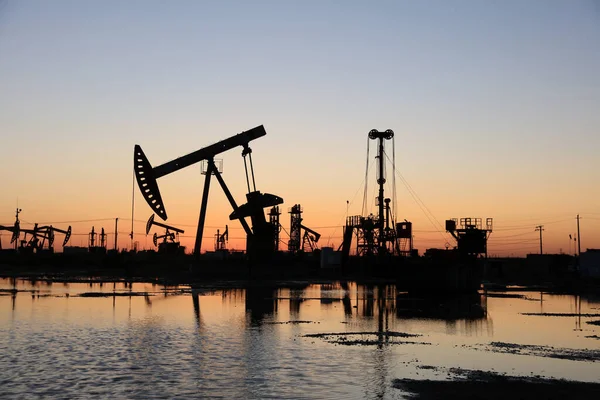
{"points": [[116, 233], [541, 229], [578, 238]]}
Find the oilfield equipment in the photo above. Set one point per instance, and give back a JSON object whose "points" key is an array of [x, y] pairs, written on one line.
{"points": [[301, 242], [169, 241], [15, 229], [221, 239], [378, 235], [93, 246], [41, 237], [103, 238], [274, 214], [470, 234], [92, 238], [260, 238]]}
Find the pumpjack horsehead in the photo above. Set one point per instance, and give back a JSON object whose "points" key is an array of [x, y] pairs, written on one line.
{"points": [[259, 237]]}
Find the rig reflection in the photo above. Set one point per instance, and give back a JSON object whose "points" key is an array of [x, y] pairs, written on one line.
{"points": [[381, 307]]}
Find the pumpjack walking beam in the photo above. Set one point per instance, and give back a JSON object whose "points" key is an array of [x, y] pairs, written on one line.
{"points": [[146, 175]]}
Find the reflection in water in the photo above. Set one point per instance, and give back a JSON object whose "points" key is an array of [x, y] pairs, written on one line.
{"points": [[196, 300], [250, 343], [381, 304], [385, 303], [296, 299], [260, 301]]}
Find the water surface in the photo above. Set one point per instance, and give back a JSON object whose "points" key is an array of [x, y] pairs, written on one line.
{"points": [[150, 341]]}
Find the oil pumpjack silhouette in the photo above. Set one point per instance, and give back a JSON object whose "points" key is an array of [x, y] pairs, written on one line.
{"points": [[169, 241], [260, 237], [41, 237]]}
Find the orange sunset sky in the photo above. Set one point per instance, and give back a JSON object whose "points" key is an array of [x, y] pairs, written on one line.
{"points": [[494, 106]]}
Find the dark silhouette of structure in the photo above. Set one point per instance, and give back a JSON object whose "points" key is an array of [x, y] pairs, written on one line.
{"points": [[260, 238], [169, 241], [221, 239], [378, 235], [274, 214], [40, 236], [93, 246], [470, 235], [540, 229], [301, 242]]}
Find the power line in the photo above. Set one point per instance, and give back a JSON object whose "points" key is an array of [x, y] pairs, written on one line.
{"points": [[78, 221], [533, 242], [510, 236], [426, 211], [524, 226]]}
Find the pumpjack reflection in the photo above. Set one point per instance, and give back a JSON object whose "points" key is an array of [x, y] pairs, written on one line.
{"points": [[260, 302]]}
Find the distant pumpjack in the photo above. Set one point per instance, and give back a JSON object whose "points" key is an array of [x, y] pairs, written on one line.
{"points": [[48, 233], [309, 239], [221, 239], [170, 240], [471, 236], [40, 235], [259, 239]]}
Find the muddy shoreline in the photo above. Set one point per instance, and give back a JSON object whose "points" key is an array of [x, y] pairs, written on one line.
{"points": [[476, 384]]}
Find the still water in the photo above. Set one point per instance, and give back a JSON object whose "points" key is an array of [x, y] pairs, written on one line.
{"points": [[77, 340]]}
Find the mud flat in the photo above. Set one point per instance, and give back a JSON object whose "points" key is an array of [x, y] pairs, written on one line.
{"points": [[113, 294], [540, 351], [291, 322], [475, 384], [588, 315], [15, 291], [366, 338], [510, 296]]}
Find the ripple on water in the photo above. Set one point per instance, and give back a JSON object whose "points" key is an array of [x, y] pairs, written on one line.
{"points": [[230, 347]]}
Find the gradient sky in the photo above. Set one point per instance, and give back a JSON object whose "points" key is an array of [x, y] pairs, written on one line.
{"points": [[495, 106]]}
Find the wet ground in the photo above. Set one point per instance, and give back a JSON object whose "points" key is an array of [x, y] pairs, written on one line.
{"points": [[294, 340]]}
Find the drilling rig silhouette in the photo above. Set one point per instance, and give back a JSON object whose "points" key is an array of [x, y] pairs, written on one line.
{"points": [[383, 245], [378, 235]]}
